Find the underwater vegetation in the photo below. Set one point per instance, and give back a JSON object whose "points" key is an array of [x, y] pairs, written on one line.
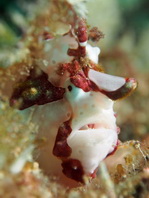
{"points": [[59, 133]]}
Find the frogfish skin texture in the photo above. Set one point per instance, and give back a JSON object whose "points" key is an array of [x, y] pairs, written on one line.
{"points": [[83, 129]]}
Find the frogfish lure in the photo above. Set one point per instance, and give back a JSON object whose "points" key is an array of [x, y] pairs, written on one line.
{"points": [[73, 78]]}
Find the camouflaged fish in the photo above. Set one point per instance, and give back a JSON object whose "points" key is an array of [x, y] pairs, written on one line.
{"points": [[78, 97]]}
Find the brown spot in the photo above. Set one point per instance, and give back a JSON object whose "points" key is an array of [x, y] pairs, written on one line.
{"points": [[73, 169], [35, 90], [61, 148], [95, 34]]}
